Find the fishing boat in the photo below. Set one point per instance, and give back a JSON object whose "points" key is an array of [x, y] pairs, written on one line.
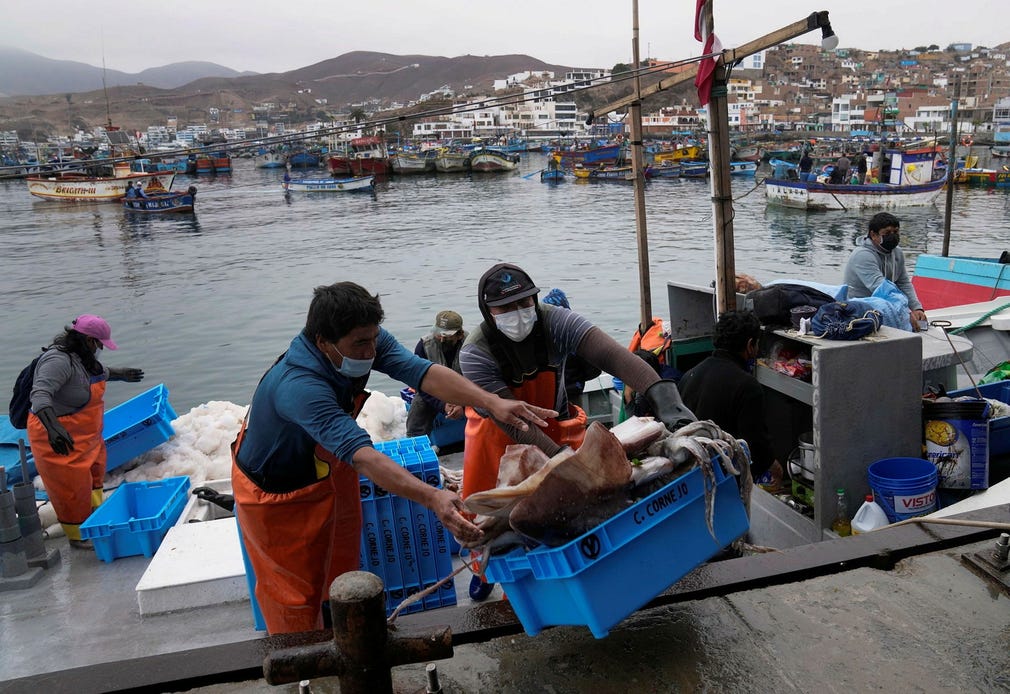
{"points": [[984, 178], [489, 159], [269, 159], [742, 168], [160, 202], [944, 281], [686, 153], [330, 185], [552, 175], [668, 169], [304, 159], [694, 169], [363, 156], [452, 161], [911, 183], [611, 154], [79, 187], [411, 163]]}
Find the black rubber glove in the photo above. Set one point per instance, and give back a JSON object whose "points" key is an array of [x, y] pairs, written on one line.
{"points": [[126, 374], [59, 439], [663, 399]]}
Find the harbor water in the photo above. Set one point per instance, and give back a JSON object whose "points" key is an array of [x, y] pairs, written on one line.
{"points": [[205, 302]]}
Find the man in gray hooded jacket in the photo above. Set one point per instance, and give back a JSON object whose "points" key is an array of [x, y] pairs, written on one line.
{"points": [[877, 258]]}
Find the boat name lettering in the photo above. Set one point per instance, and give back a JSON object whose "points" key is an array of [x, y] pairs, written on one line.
{"points": [[75, 190], [654, 507]]}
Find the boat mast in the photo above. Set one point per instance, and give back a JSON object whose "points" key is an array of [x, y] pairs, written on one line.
{"points": [[638, 170], [951, 168]]}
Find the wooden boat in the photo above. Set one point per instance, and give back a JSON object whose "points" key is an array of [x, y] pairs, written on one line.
{"points": [[911, 184], [269, 159], [411, 163], [983, 178], [330, 185], [364, 156], [607, 154], [742, 168], [694, 169], [76, 186], [160, 202], [488, 159], [552, 175], [222, 163], [688, 153], [452, 161], [747, 153], [668, 169], [945, 281], [304, 159]]}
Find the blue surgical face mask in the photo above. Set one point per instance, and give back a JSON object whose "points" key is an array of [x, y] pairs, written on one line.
{"points": [[517, 325], [352, 368]]}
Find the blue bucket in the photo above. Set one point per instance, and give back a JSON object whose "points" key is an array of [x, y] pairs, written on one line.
{"points": [[904, 487]]}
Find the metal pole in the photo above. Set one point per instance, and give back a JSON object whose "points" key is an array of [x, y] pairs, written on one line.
{"points": [[638, 170], [951, 166]]}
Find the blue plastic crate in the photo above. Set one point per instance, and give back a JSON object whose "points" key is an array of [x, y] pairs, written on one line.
{"points": [[403, 542], [999, 427], [604, 575], [135, 518]]}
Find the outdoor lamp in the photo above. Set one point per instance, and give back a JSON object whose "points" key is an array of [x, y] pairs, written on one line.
{"points": [[829, 41]]}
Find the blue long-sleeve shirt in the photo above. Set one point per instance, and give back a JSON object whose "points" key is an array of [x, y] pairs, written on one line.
{"points": [[303, 400]]}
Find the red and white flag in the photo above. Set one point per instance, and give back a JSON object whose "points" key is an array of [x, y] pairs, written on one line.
{"points": [[703, 32]]}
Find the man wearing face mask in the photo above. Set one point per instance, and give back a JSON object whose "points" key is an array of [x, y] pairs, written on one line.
{"points": [[520, 351], [440, 346], [299, 453], [878, 257], [723, 389]]}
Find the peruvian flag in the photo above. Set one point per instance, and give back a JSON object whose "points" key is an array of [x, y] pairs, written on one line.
{"points": [[703, 32]]}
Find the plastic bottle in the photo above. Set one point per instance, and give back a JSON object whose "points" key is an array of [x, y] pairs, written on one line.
{"points": [[841, 524], [870, 516]]}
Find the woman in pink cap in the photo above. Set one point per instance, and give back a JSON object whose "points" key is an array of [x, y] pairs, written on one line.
{"points": [[67, 417]]}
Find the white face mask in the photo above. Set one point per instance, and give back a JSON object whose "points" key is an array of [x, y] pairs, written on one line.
{"points": [[517, 325]]}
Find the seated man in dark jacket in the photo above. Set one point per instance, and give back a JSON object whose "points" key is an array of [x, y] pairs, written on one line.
{"points": [[723, 389]]}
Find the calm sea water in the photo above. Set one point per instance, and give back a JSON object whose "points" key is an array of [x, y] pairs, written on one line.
{"points": [[204, 302]]}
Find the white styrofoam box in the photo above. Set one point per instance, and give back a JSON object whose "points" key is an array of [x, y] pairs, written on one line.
{"points": [[197, 509], [197, 564]]}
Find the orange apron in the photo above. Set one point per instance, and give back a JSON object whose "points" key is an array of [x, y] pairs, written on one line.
{"points": [[299, 542], [73, 481], [485, 442]]}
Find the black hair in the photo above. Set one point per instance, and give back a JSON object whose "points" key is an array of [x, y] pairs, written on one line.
{"points": [[339, 308], [882, 220], [734, 329], [73, 342]]}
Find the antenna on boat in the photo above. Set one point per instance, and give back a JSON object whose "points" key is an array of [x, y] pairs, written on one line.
{"points": [[105, 90]]}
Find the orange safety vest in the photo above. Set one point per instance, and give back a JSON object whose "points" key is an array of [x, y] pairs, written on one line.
{"points": [[485, 441], [74, 481], [654, 340]]}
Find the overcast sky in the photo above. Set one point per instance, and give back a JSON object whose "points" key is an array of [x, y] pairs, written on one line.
{"points": [[281, 35]]}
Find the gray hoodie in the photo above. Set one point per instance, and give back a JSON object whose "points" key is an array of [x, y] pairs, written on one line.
{"points": [[869, 266]]}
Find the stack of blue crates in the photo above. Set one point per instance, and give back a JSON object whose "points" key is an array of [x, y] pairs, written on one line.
{"points": [[402, 542]]}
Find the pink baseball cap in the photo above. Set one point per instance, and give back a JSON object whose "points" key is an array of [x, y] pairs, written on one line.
{"points": [[96, 327]]}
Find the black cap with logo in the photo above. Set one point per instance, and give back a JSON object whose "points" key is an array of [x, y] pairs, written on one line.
{"points": [[505, 283]]}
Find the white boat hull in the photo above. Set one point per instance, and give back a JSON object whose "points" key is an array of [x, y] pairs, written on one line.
{"points": [[489, 160], [330, 185], [75, 187], [808, 195]]}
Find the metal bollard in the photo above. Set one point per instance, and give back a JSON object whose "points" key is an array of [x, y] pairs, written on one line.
{"points": [[363, 650]]}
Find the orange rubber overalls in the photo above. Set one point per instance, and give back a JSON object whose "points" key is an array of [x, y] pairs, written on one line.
{"points": [[485, 441], [74, 481], [299, 541]]}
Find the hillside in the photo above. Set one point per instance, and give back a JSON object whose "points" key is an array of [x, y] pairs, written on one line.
{"points": [[334, 84]]}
